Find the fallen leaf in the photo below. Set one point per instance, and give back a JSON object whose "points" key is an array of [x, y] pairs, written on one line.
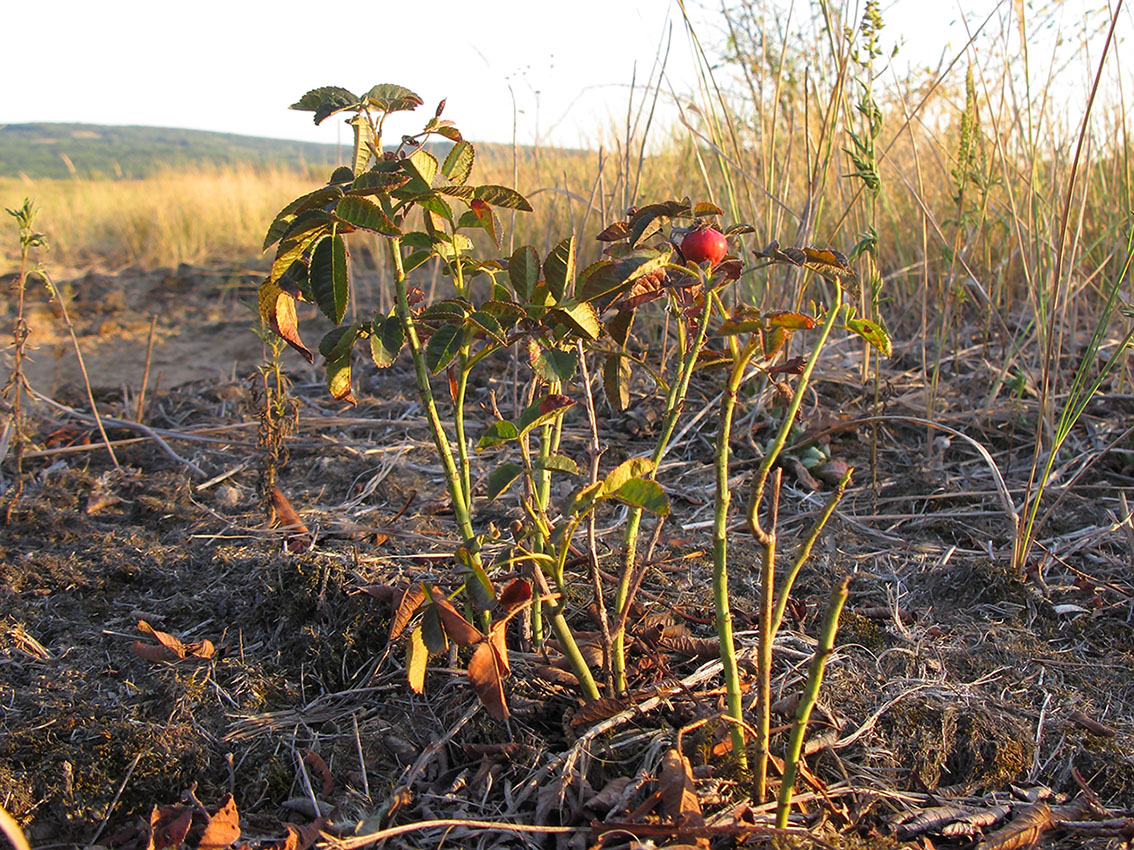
{"points": [[223, 828], [409, 603], [675, 785], [597, 710], [316, 763], [1081, 719], [1024, 830], [298, 537], [169, 825], [170, 648]]}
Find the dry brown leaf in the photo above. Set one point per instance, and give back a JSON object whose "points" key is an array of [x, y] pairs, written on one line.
{"points": [[597, 710], [1024, 830], [316, 763], [1084, 721], [409, 603], [610, 794], [298, 538], [169, 825], [496, 638], [675, 784], [555, 676], [488, 681], [515, 596], [171, 648], [459, 630], [223, 828], [302, 837]]}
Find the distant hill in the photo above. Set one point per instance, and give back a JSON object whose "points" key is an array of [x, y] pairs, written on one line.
{"points": [[95, 151]]}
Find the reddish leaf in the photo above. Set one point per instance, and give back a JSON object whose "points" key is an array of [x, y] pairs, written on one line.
{"points": [[794, 366], [302, 837], [170, 647], [787, 319], [316, 763], [411, 600], [298, 538], [517, 594], [597, 710], [615, 232], [277, 309], [675, 785], [223, 828], [169, 826], [460, 630], [488, 680]]}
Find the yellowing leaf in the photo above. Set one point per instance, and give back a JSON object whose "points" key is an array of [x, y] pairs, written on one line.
{"points": [[277, 309]]}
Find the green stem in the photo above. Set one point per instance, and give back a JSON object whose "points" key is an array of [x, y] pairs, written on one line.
{"points": [[764, 642], [425, 393], [734, 697], [809, 698], [675, 400]]}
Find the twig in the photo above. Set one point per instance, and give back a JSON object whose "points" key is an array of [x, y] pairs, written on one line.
{"points": [[122, 423], [140, 409], [499, 826], [114, 802]]}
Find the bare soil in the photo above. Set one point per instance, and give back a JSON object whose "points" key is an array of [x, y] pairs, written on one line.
{"points": [[955, 681]]}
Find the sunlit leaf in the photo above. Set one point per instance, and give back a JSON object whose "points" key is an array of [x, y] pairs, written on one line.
{"points": [[374, 182], [417, 657], [502, 196], [615, 232], [277, 309], [362, 212], [363, 140], [873, 333], [645, 494], [557, 463], [486, 677], [459, 630], [458, 163], [791, 321], [705, 208], [338, 378], [498, 433], [580, 318], [387, 337]]}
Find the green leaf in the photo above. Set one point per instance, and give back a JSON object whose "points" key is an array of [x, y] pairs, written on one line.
{"points": [[542, 412], [421, 166], [557, 463], [342, 174], [635, 467], [553, 365], [326, 101], [448, 310], [523, 271], [338, 378], [330, 283], [293, 248], [363, 212], [501, 478], [338, 342], [417, 258], [645, 494], [387, 336], [616, 382], [363, 140], [432, 632], [559, 268], [488, 323], [375, 182], [580, 318], [873, 333], [508, 312], [391, 98], [312, 200], [458, 164], [615, 276], [443, 345], [497, 434], [502, 196]]}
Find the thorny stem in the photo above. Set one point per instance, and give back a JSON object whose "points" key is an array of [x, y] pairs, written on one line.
{"points": [[766, 538], [809, 698], [734, 698], [425, 392], [675, 400]]}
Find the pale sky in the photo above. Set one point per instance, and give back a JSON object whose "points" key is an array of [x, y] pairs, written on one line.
{"points": [[236, 66]]}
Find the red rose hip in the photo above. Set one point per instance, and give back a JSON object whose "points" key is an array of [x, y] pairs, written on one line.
{"points": [[706, 244]]}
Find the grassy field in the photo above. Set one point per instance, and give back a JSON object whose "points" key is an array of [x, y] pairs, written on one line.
{"points": [[987, 209]]}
